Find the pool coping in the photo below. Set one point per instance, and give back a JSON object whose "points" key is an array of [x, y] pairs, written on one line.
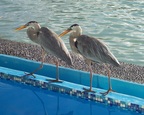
{"points": [[72, 88]]}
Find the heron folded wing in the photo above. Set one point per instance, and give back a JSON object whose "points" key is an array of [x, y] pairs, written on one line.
{"points": [[96, 50], [54, 45]]}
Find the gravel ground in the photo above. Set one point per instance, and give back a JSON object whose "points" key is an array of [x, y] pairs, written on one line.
{"points": [[126, 71]]}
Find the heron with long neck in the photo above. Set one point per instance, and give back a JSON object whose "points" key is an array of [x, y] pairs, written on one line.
{"points": [[92, 49], [50, 43]]}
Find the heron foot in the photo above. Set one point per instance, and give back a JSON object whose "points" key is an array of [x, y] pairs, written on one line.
{"points": [[88, 90], [108, 91], [55, 80], [28, 74]]}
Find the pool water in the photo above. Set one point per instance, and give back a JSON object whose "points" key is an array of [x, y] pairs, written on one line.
{"points": [[20, 99]]}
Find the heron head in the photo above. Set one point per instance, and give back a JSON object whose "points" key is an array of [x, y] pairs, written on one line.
{"points": [[74, 29], [31, 23]]}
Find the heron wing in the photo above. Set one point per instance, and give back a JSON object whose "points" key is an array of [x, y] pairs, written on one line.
{"points": [[50, 41], [95, 50]]}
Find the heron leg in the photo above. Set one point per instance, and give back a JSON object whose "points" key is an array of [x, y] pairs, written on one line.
{"points": [[91, 77], [57, 73], [40, 67], [109, 84]]}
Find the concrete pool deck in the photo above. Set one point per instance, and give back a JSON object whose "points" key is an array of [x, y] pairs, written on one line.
{"points": [[126, 71]]}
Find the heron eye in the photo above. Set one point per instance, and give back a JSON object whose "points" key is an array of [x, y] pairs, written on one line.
{"points": [[27, 24], [70, 28]]}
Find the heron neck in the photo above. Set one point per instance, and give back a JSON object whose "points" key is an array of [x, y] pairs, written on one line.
{"points": [[37, 27], [72, 41], [32, 33], [73, 37]]}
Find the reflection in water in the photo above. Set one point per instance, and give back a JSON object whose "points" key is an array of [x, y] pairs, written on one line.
{"points": [[58, 107], [57, 110], [22, 99], [41, 102]]}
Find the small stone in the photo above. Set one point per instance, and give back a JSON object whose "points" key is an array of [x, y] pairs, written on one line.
{"points": [[126, 71]]}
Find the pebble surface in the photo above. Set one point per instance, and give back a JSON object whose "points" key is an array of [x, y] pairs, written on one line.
{"points": [[126, 71]]}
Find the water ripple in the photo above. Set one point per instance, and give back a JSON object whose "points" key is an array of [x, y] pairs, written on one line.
{"points": [[119, 23]]}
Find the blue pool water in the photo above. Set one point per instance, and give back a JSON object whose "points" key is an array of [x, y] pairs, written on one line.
{"points": [[19, 99]]}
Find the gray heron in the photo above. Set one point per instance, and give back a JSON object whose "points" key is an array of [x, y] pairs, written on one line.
{"points": [[50, 43], [92, 49]]}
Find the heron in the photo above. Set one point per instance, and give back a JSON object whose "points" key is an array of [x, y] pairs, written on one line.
{"points": [[92, 49], [50, 43]]}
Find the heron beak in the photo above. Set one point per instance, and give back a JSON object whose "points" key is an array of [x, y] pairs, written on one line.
{"points": [[21, 27], [64, 32]]}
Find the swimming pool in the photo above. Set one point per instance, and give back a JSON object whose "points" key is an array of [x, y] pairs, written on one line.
{"points": [[38, 96], [20, 99]]}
